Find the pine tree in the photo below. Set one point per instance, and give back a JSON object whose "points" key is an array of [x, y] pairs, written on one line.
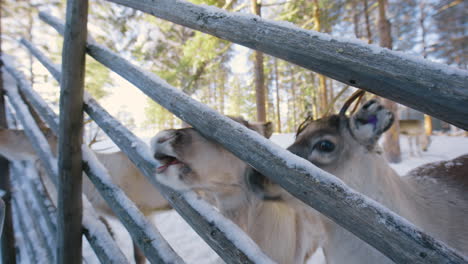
{"points": [[391, 143]]}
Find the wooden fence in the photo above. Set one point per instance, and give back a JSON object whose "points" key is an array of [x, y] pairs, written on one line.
{"points": [[429, 87]]}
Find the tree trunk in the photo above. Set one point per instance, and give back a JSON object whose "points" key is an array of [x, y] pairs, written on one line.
{"points": [[314, 99], [356, 20], [221, 92], [422, 18], [294, 98], [391, 142], [237, 101], [322, 79], [8, 237], [278, 113], [332, 95], [366, 16], [259, 74]]}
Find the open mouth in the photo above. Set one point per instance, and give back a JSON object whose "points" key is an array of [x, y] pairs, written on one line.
{"points": [[167, 161]]}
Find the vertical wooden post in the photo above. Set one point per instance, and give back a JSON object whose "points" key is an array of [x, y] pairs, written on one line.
{"points": [[7, 238], [70, 213]]}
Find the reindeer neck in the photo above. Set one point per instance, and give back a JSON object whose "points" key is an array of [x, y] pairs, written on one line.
{"points": [[371, 175]]}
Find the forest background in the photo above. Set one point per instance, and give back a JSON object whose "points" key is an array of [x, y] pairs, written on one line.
{"points": [[227, 77]]}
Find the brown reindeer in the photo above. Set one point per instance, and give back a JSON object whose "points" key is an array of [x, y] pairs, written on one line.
{"points": [[417, 138], [435, 198]]}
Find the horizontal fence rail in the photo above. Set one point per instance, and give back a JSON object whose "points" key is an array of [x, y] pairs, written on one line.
{"points": [[95, 231], [45, 236], [209, 229], [432, 88], [367, 219], [31, 227], [33, 187], [26, 234]]}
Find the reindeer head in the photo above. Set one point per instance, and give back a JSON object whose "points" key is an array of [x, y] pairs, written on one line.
{"points": [[189, 161], [338, 144]]}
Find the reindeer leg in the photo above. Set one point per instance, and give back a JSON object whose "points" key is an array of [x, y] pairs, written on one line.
{"points": [[411, 147], [418, 146]]}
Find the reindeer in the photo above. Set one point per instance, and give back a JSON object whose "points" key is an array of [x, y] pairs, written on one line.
{"points": [[191, 162], [346, 146], [15, 146], [417, 138]]}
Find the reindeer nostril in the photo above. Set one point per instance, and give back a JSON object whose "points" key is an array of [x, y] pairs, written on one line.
{"points": [[161, 140]]}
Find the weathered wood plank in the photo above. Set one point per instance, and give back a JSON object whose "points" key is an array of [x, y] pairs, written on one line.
{"points": [[31, 231], [155, 248], [32, 219], [33, 187], [70, 208], [96, 233], [362, 216], [432, 88], [27, 240], [216, 234]]}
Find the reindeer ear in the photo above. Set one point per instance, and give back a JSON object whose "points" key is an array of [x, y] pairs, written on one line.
{"points": [[263, 128], [370, 122], [267, 129]]}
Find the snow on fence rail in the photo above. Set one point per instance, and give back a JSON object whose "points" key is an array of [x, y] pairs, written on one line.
{"points": [[46, 236], [35, 232], [359, 214], [432, 88], [33, 187], [35, 224], [219, 233], [101, 241]]}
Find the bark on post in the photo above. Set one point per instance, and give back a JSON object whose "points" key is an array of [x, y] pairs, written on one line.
{"points": [[70, 208], [7, 238], [391, 143], [259, 73]]}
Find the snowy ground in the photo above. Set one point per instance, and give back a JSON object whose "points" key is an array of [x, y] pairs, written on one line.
{"points": [[194, 250]]}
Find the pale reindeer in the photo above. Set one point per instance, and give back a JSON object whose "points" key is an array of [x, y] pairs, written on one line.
{"points": [[416, 134], [285, 234], [433, 197], [15, 146]]}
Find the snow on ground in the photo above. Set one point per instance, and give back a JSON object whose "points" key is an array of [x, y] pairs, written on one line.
{"points": [[194, 250]]}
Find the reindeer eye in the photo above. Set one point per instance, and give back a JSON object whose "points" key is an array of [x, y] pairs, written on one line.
{"points": [[325, 146]]}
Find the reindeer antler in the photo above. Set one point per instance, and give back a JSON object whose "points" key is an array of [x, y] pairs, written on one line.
{"points": [[350, 100]]}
